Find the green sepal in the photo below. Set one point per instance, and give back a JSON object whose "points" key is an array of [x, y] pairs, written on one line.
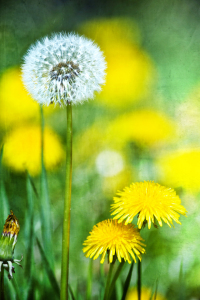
{"points": [[7, 245]]}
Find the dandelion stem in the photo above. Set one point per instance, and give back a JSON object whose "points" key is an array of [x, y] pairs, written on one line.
{"points": [[89, 280], [2, 284], [67, 208], [117, 273], [107, 289], [139, 280]]}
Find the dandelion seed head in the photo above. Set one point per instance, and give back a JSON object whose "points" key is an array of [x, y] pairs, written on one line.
{"points": [[64, 67]]}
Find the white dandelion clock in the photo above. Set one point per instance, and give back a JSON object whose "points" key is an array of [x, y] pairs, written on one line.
{"points": [[63, 68]]}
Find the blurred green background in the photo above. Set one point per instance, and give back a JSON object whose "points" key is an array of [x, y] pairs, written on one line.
{"points": [[144, 125]]}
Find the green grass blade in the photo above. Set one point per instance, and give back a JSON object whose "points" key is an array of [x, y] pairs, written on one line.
{"points": [[71, 293], [4, 211], [154, 293], [182, 292], [29, 237], [45, 204], [127, 282], [49, 270], [16, 288], [29, 221]]}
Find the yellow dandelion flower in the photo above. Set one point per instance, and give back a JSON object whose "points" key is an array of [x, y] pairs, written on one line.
{"points": [[15, 103], [119, 240], [130, 71], [181, 168], [22, 149], [145, 294], [150, 201], [144, 127]]}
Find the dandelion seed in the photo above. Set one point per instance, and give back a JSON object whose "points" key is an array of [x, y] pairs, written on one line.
{"points": [[65, 67]]}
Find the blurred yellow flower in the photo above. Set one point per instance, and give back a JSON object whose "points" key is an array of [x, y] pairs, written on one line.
{"points": [[130, 71], [22, 149], [115, 30], [150, 201], [111, 184], [181, 168], [118, 239], [147, 128], [15, 103], [145, 294], [144, 127]]}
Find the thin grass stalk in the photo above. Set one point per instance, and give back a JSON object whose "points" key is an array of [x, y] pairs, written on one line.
{"points": [[67, 207], [2, 284], [139, 280], [107, 288]]}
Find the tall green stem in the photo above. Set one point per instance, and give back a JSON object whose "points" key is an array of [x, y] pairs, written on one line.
{"points": [[2, 284], [117, 273], [107, 289], [67, 207]]}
